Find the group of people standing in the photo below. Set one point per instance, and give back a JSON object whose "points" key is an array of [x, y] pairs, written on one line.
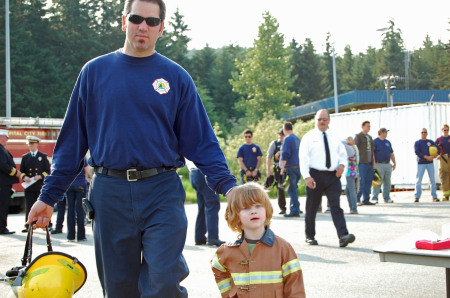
{"points": [[319, 157], [34, 167]]}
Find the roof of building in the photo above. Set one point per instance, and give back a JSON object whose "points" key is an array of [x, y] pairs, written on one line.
{"points": [[368, 99]]}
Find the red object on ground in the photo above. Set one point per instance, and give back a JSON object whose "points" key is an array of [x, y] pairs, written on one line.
{"points": [[433, 245]]}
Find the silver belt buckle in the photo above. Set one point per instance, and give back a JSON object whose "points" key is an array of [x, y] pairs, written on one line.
{"points": [[128, 175]]}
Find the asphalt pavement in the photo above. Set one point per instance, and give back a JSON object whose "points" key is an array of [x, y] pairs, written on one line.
{"points": [[328, 270]]}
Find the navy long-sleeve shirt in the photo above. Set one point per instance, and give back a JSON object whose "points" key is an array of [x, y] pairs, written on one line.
{"points": [[135, 113], [422, 148]]}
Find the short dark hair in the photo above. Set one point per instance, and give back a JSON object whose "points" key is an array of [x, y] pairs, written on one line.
{"points": [[365, 122], [287, 126], [248, 131], [162, 7]]}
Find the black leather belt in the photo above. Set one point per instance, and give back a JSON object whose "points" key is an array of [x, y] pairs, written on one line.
{"points": [[383, 161], [132, 174]]}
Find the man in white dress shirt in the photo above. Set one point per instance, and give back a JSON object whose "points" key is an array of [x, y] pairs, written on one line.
{"points": [[322, 160]]}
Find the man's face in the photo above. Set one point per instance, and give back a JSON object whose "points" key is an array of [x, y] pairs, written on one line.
{"points": [[445, 131], [383, 135], [248, 138], [323, 121], [3, 140], [141, 38], [424, 134], [33, 146], [366, 128]]}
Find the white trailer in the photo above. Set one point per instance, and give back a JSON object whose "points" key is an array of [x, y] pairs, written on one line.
{"points": [[404, 124]]}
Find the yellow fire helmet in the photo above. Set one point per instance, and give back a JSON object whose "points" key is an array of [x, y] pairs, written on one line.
{"points": [[433, 150], [376, 179], [50, 275]]}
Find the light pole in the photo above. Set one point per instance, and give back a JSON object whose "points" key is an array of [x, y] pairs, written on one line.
{"points": [[336, 104]]}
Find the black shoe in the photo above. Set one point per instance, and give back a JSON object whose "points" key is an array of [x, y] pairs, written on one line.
{"points": [[311, 241], [56, 231], [200, 242], [215, 242], [25, 230], [368, 203], [282, 212], [344, 240], [81, 240], [301, 212], [7, 232], [292, 215]]}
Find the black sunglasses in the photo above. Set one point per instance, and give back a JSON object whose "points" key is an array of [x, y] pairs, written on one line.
{"points": [[137, 19]]}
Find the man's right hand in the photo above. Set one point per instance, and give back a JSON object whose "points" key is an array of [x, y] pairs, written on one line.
{"points": [[41, 213], [310, 182]]}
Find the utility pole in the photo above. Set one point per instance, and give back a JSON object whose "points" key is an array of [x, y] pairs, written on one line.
{"points": [[7, 62]]}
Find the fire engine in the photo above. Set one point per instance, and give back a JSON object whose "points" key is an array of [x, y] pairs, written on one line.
{"points": [[47, 129]]}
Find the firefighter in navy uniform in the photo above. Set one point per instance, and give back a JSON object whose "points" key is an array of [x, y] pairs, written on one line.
{"points": [[9, 175], [274, 151], [34, 165]]}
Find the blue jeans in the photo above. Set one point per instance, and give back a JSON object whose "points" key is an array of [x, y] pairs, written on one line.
{"points": [[139, 235], [208, 208], [385, 171], [429, 167], [350, 192], [75, 212], [366, 174], [294, 177]]}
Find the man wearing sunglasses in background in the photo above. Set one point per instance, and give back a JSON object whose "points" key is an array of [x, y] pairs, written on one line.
{"points": [[425, 163], [139, 114], [249, 158]]}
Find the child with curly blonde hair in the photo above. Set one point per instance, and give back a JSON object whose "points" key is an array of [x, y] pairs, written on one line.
{"points": [[259, 263]]}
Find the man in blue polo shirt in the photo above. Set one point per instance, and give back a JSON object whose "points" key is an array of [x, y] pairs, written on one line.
{"points": [[140, 115], [291, 166], [249, 159], [383, 153]]}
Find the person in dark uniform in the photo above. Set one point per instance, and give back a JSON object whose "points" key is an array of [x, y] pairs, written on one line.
{"points": [[274, 151], [249, 159], [8, 176], [34, 167], [139, 114]]}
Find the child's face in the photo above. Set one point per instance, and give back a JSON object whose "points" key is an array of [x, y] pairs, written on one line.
{"points": [[253, 217]]}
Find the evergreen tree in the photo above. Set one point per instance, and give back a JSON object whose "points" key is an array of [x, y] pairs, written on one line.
{"points": [[392, 54], [264, 78]]}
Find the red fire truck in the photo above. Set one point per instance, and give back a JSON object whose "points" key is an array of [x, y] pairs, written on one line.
{"points": [[47, 129]]}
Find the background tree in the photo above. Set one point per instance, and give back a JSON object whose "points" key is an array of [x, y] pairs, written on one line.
{"points": [[393, 54], [264, 79]]}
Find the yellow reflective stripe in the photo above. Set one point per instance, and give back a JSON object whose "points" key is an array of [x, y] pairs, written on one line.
{"points": [[224, 285], [13, 172], [216, 264], [257, 277], [291, 266], [447, 193]]}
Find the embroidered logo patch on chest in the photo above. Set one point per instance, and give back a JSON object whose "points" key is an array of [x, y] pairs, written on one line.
{"points": [[161, 86]]}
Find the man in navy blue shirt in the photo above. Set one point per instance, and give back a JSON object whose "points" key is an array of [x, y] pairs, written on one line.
{"points": [[425, 163], [249, 158], [383, 154], [140, 115], [291, 166], [444, 166]]}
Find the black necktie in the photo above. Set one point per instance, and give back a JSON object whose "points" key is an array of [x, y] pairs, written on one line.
{"points": [[327, 151]]}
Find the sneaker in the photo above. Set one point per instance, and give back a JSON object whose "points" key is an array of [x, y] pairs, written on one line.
{"points": [[311, 241], [358, 204], [215, 242], [71, 240], [82, 240], [56, 231], [368, 203], [327, 211], [282, 212], [389, 201], [353, 212], [435, 200], [344, 240], [375, 201], [416, 200]]}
